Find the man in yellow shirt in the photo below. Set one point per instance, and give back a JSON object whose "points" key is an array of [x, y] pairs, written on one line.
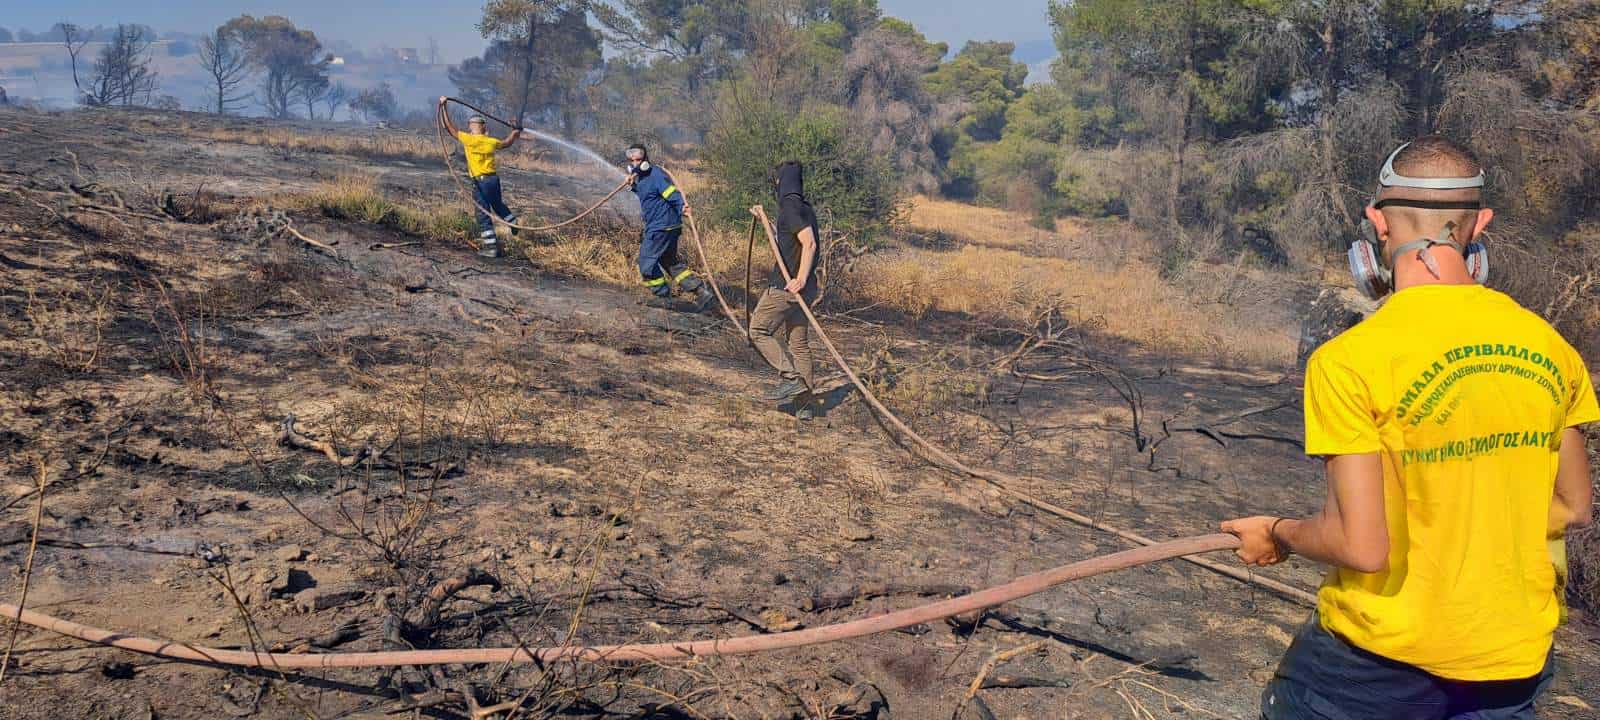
{"points": [[480, 148], [1448, 425]]}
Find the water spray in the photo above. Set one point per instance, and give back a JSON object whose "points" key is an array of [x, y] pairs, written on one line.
{"points": [[575, 147], [440, 124]]}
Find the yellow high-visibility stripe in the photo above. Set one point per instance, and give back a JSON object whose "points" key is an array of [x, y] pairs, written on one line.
{"points": [[667, 193], [682, 275], [654, 282]]}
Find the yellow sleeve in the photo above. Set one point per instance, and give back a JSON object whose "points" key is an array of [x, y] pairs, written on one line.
{"points": [[1558, 558], [1583, 409], [1339, 410]]}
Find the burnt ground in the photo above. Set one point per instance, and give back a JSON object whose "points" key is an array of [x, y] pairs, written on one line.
{"points": [[609, 464]]}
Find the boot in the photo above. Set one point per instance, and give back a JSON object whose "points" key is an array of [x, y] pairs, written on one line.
{"points": [[805, 406], [785, 390], [703, 298]]}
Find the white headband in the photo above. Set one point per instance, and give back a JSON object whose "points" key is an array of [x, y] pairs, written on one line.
{"points": [[1389, 178]]}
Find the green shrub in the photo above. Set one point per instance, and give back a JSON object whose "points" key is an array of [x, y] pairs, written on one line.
{"points": [[849, 186]]}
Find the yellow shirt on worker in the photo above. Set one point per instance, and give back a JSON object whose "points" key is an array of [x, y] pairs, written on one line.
{"points": [[1464, 394], [480, 152]]}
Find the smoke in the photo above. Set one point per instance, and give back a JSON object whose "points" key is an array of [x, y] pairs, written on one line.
{"points": [[40, 74]]}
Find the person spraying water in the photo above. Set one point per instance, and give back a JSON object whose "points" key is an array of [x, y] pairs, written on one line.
{"points": [[661, 204], [480, 148]]}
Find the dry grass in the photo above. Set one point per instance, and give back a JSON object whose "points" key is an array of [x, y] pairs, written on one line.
{"points": [[609, 253], [991, 227], [1129, 301], [357, 198], [1117, 294], [600, 251], [944, 391], [604, 256], [389, 146], [1103, 275], [686, 175], [71, 328], [987, 278], [422, 147]]}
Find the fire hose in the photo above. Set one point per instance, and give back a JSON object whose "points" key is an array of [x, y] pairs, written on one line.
{"points": [[1150, 551], [461, 185], [1000, 481], [1016, 589], [694, 229]]}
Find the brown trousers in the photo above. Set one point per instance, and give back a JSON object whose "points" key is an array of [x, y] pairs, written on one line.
{"points": [[777, 315]]}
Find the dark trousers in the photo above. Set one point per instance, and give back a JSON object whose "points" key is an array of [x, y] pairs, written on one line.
{"points": [[486, 191], [658, 263], [1322, 677]]}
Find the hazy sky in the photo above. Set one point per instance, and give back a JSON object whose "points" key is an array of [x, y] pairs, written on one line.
{"points": [[409, 23]]}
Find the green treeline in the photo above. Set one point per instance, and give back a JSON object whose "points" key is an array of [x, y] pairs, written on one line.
{"points": [[1220, 128]]}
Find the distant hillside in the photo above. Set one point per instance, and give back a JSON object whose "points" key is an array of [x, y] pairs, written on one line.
{"points": [[41, 73]]}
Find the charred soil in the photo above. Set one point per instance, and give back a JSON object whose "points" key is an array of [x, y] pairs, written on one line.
{"points": [[248, 441]]}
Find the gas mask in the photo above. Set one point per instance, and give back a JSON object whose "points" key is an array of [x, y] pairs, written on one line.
{"points": [[1374, 274], [638, 159]]}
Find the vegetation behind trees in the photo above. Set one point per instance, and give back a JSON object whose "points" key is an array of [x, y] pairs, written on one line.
{"points": [[1222, 127]]}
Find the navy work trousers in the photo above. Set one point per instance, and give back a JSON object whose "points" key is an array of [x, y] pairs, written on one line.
{"points": [[659, 263], [1322, 677], [486, 191]]}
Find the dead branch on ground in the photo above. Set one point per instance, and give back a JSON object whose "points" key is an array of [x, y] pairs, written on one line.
{"points": [[40, 474], [328, 248], [290, 436], [1212, 428], [1051, 334], [426, 614], [834, 601], [989, 665]]}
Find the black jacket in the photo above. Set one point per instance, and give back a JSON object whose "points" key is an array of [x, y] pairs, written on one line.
{"points": [[794, 215]]}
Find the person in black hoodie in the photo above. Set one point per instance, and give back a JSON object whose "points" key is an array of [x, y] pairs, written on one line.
{"points": [[778, 311]]}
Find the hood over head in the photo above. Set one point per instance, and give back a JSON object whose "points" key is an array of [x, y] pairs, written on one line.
{"points": [[791, 180]]}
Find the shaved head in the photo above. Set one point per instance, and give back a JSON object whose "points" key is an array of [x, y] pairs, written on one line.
{"points": [[1436, 156], [1432, 156]]}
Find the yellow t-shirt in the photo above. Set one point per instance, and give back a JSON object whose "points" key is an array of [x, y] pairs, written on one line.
{"points": [[480, 152], [1464, 395]]}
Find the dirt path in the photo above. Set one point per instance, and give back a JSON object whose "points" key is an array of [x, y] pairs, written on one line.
{"points": [[573, 443]]}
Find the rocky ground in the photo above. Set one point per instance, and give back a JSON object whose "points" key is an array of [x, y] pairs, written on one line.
{"points": [[248, 442]]}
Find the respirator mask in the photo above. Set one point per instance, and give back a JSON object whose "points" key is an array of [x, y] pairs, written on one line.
{"points": [[638, 159], [1372, 274]]}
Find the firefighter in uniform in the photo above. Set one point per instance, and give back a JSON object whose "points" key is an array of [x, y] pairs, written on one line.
{"points": [[663, 209]]}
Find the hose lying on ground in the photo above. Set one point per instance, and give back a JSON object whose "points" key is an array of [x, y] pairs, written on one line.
{"points": [[1001, 481], [1151, 551], [998, 480], [992, 597]]}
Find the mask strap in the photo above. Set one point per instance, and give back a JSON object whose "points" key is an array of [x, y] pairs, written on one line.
{"points": [[1424, 245]]}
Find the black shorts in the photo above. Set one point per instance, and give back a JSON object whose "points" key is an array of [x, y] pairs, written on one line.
{"points": [[1322, 677]]}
